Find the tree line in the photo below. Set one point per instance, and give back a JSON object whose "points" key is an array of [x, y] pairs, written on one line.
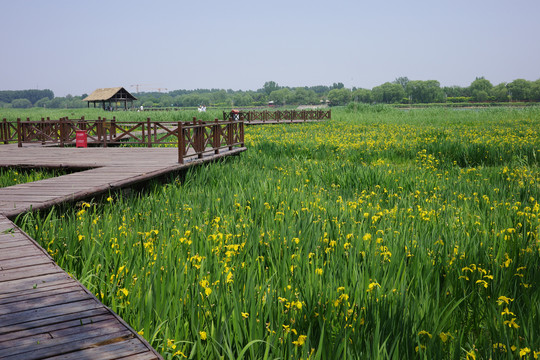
{"points": [[400, 91]]}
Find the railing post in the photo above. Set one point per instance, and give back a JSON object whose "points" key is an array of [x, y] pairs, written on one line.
{"points": [[26, 127], [149, 129], [19, 135], [143, 132], [98, 129], [199, 139], [42, 128], [4, 132], [215, 137], [241, 130], [61, 125], [181, 143], [230, 134], [104, 131], [112, 130]]}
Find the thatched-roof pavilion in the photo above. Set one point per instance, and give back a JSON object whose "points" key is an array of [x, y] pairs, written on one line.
{"points": [[111, 95]]}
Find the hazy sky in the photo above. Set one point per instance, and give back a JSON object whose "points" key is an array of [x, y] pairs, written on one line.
{"points": [[74, 47]]}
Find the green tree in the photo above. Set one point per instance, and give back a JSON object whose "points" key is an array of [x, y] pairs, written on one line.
{"points": [[388, 93], [21, 104], [362, 95], [148, 103], [281, 96], [242, 99], [481, 84], [499, 92], [269, 87], [535, 90], [480, 88], [519, 89], [31, 95], [403, 81], [166, 101], [456, 91], [43, 102], [425, 91], [219, 96], [57, 103], [340, 96], [480, 95], [301, 95]]}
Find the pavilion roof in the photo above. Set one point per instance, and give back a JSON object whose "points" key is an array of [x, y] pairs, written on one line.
{"points": [[105, 94]]}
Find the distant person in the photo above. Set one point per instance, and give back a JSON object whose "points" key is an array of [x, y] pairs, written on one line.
{"points": [[235, 115], [142, 108]]}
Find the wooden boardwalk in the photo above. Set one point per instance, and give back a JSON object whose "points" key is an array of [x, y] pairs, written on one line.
{"points": [[44, 313], [109, 169], [274, 122]]}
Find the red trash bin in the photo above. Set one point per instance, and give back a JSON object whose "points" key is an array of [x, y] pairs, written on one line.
{"points": [[81, 138]]}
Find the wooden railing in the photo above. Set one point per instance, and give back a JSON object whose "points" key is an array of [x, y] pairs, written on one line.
{"points": [[197, 137], [278, 115]]}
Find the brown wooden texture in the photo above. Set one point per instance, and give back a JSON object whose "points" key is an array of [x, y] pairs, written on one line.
{"points": [[44, 313], [106, 169], [277, 116], [106, 133]]}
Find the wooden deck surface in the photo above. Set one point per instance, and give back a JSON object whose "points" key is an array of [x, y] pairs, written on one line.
{"points": [[44, 313], [270, 122], [108, 169]]}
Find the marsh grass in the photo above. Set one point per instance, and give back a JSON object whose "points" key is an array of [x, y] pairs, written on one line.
{"points": [[14, 176], [380, 234]]}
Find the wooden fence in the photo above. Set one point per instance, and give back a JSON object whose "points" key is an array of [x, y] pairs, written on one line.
{"points": [[278, 115], [197, 137]]}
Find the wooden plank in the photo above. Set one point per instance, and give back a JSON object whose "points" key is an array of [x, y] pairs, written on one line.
{"points": [[55, 321], [131, 349], [23, 262], [63, 345], [110, 325], [39, 292], [8, 233], [54, 190], [42, 287], [10, 287], [37, 333], [37, 298], [11, 241], [43, 302], [19, 251], [51, 311], [15, 196], [29, 272], [148, 355]]}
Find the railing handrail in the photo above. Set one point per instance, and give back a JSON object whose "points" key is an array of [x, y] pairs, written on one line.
{"points": [[199, 136], [279, 115]]}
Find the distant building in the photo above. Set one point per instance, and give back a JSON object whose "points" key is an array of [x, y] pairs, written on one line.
{"points": [[110, 98]]}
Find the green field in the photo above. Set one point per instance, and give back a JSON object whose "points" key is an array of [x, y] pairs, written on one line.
{"points": [[379, 234], [9, 177]]}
